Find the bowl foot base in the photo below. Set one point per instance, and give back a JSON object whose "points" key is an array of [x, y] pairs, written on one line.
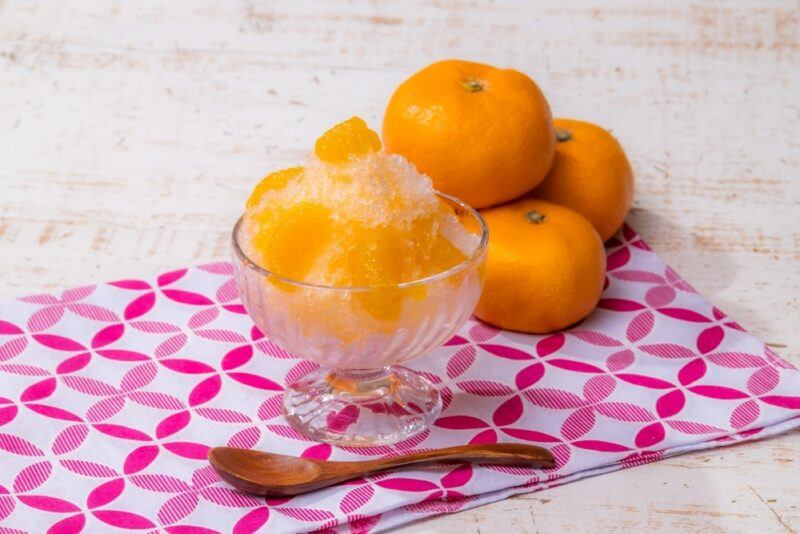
{"points": [[361, 407]]}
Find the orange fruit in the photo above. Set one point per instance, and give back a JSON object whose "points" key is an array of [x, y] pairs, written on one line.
{"points": [[483, 134], [544, 270], [590, 174]]}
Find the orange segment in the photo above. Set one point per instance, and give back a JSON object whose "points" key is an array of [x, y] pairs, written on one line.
{"points": [[444, 255], [291, 239], [377, 257], [389, 255], [346, 140], [274, 180], [385, 256], [386, 303]]}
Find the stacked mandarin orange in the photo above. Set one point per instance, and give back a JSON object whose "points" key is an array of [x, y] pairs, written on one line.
{"points": [[365, 213], [550, 191]]}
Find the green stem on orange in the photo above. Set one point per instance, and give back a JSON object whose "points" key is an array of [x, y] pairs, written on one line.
{"points": [[535, 217], [473, 85], [563, 135]]}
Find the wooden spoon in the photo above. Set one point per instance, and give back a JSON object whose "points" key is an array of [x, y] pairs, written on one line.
{"points": [[264, 473]]}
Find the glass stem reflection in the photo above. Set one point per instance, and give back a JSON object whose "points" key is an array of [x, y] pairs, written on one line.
{"points": [[356, 381]]}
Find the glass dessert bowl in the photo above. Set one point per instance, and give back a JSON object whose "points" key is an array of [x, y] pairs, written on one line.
{"points": [[362, 395], [354, 261]]}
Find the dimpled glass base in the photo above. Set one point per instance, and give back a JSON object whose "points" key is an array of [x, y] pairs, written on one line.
{"points": [[361, 407]]}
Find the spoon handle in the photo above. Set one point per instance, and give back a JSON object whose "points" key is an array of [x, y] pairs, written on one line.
{"points": [[490, 453]]}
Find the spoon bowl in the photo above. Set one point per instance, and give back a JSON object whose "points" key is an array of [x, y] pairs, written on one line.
{"points": [[265, 473]]}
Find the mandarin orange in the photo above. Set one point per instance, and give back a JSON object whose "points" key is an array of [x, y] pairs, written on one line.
{"points": [[590, 174], [483, 134], [544, 270]]}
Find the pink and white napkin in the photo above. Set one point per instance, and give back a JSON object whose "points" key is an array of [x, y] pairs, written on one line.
{"points": [[112, 394]]}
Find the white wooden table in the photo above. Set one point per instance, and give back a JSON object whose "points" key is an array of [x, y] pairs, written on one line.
{"points": [[131, 132]]}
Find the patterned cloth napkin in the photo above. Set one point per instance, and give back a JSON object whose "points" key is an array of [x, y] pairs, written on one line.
{"points": [[111, 395]]}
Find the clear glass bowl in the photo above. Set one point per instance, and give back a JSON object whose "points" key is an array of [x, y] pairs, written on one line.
{"points": [[362, 396]]}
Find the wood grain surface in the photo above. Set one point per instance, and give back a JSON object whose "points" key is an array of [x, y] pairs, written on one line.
{"points": [[131, 132]]}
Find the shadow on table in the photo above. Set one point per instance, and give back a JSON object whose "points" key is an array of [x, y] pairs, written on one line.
{"points": [[710, 272]]}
